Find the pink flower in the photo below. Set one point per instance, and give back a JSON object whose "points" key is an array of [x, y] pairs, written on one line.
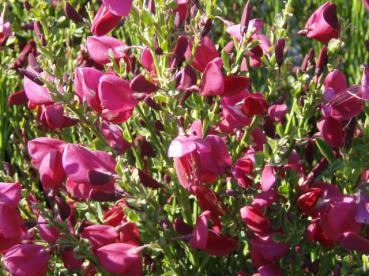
{"points": [[53, 117], [269, 270], [48, 233], [344, 105], [36, 93], [120, 258], [51, 171], [264, 199], [208, 200], [323, 24], [340, 219], [38, 148], [147, 60], [242, 171], [233, 117], [308, 199], [254, 219], [255, 25], [18, 98], [277, 112], [332, 131], [104, 21], [119, 7], [268, 178], [98, 48], [204, 54], [197, 159], [86, 191], [11, 222], [100, 235], [86, 83], [141, 85], [265, 250], [116, 99], [113, 135], [87, 166], [209, 240], [5, 28], [254, 104], [353, 241], [70, 261], [27, 260], [10, 194], [335, 80], [212, 82]]}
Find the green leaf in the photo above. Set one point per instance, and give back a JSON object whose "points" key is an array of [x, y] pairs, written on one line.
{"points": [[326, 150]]}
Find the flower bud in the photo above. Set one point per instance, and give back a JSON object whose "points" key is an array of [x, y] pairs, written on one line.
{"points": [[322, 61], [245, 19], [72, 14], [32, 76], [278, 50]]}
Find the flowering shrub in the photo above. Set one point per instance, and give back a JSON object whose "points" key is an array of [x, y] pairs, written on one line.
{"points": [[177, 137]]}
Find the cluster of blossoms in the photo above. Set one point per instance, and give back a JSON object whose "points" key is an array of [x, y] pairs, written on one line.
{"points": [[216, 163]]}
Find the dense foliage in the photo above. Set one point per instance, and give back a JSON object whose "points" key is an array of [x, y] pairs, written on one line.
{"points": [[174, 137]]}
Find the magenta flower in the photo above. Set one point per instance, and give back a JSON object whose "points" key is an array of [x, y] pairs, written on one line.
{"points": [[140, 84], [242, 171], [11, 222], [353, 241], [332, 131], [254, 104], [38, 148], [208, 201], [18, 98], [340, 219], [255, 26], [334, 83], [86, 83], [116, 98], [5, 28], [277, 112], [209, 240], [36, 93], [120, 258], [264, 199], [27, 260], [147, 60], [197, 159], [48, 233], [51, 171], [10, 194], [113, 135], [204, 54], [268, 178], [306, 202], [100, 235], [265, 250], [87, 191], [233, 117], [323, 24], [212, 82], [104, 21], [87, 166], [119, 7], [255, 220], [98, 48], [70, 260]]}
